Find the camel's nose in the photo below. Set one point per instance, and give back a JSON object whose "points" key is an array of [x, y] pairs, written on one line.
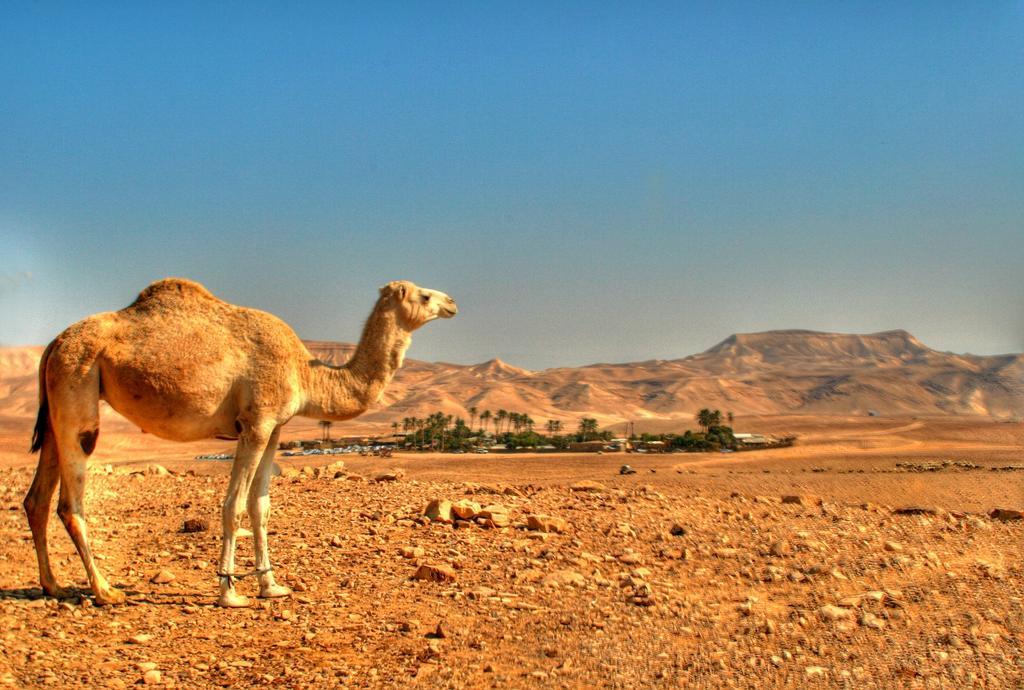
{"points": [[450, 306]]}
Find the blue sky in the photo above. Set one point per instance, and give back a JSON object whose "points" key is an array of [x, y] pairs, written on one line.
{"points": [[591, 181]]}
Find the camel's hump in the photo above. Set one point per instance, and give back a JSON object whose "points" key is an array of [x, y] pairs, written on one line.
{"points": [[179, 289]]}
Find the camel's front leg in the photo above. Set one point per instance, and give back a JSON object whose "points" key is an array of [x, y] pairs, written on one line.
{"points": [[259, 513], [251, 445]]}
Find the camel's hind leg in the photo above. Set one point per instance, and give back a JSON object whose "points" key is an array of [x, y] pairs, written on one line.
{"points": [[75, 410], [37, 507], [259, 513]]}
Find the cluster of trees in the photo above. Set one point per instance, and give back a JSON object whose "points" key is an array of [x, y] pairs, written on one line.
{"points": [[513, 429], [516, 430]]}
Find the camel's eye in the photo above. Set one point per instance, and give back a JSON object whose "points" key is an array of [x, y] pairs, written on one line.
{"points": [[425, 298]]}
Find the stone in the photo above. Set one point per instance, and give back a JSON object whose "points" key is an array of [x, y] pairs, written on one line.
{"points": [[195, 525], [411, 552], [157, 470], [915, 510], [870, 620], [389, 476], [588, 486], [162, 578], [561, 578], [546, 523], [1006, 514], [626, 469], [815, 671], [151, 677], [439, 510], [793, 498], [893, 546], [831, 612], [141, 638], [435, 573], [781, 548], [677, 530], [495, 516], [465, 509]]}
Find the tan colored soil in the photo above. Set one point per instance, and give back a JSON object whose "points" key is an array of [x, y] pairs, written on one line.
{"points": [[754, 593]]}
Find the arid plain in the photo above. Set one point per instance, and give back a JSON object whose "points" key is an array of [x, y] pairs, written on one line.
{"points": [[864, 556]]}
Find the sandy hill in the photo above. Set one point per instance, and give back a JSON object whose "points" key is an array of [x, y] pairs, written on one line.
{"points": [[775, 372]]}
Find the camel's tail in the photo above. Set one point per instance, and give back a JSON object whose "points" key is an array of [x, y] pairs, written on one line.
{"points": [[43, 418]]}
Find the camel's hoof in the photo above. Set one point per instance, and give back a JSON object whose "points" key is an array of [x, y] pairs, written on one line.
{"points": [[231, 600], [58, 592], [109, 597], [274, 591]]}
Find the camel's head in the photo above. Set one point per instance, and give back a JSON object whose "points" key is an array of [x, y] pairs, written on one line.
{"points": [[415, 305]]}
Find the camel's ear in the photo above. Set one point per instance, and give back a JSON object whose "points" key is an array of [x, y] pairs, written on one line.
{"points": [[395, 287]]}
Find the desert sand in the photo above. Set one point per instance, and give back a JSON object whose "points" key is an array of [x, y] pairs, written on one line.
{"points": [[693, 570], [784, 567]]}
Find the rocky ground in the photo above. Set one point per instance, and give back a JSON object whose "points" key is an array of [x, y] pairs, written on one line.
{"points": [[657, 579]]}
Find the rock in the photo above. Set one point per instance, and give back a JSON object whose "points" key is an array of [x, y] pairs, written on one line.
{"points": [[893, 546], [389, 476], [831, 612], [141, 638], [588, 486], [1006, 514], [626, 469], [781, 548], [435, 573], [439, 510], [157, 470], [677, 530], [337, 542], [793, 498], [495, 516], [815, 671], [631, 558], [915, 510], [194, 525], [151, 677], [564, 577], [145, 666], [465, 509], [411, 552], [546, 523], [870, 620], [162, 577], [334, 468]]}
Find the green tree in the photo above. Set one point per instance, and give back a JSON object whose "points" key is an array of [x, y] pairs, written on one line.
{"points": [[485, 417], [587, 428]]}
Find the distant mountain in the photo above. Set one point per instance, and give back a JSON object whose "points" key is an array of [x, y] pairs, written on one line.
{"points": [[775, 372]]}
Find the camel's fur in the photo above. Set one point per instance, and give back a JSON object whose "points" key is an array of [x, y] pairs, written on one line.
{"points": [[184, 365]]}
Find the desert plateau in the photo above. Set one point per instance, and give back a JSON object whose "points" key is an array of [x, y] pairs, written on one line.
{"points": [[879, 551]]}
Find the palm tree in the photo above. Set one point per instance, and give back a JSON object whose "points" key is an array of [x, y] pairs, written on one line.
{"points": [[325, 427], [728, 415], [528, 421], [551, 426], [472, 415], [502, 416], [485, 417], [588, 426]]}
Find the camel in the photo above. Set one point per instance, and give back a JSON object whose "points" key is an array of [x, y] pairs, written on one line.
{"points": [[184, 365]]}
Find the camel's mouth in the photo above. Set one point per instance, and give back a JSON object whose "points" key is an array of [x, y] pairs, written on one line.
{"points": [[447, 312]]}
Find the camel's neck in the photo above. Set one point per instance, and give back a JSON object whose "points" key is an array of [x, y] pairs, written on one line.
{"points": [[340, 393]]}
